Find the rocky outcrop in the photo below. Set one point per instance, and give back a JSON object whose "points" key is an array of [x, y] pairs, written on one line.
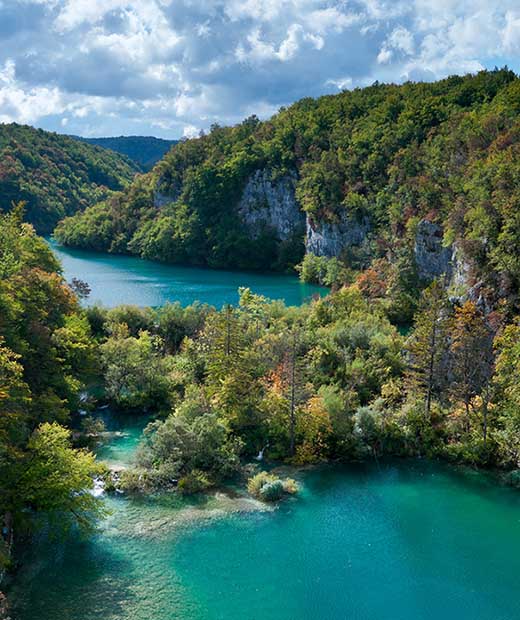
{"points": [[459, 268], [162, 195], [332, 238], [4, 607], [271, 203], [432, 258]]}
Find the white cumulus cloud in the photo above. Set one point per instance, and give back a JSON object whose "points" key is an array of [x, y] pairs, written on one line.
{"points": [[173, 67]]}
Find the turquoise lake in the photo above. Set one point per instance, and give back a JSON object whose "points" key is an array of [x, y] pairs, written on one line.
{"points": [[118, 280], [402, 540]]}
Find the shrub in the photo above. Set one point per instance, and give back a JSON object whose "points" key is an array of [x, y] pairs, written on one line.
{"points": [[133, 480], [272, 491], [255, 484], [270, 488], [194, 482], [290, 486]]}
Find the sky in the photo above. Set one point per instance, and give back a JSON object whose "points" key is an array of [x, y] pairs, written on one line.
{"points": [[170, 68]]}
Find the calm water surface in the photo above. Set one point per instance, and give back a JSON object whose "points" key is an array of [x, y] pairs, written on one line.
{"points": [[405, 541], [118, 280]]}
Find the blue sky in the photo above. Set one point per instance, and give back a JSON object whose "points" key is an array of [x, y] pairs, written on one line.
{"points": [[172, 67]]}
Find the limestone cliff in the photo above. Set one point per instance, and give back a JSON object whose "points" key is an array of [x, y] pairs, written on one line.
{"points": [[431, 257], [271, 203], [330, 239], [435, 260]]}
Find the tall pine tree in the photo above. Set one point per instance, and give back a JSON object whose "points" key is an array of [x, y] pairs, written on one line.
{"points": [[427, 346]]}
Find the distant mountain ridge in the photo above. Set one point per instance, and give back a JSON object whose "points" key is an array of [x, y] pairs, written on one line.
{"points": [[146, 151], [55, 175]]}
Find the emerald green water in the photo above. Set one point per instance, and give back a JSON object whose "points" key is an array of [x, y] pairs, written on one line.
{"points": [[399, 541], [118, 280], [404, 541]]}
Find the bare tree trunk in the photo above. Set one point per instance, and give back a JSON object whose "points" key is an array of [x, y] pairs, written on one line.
{"points": [[228, 332], [485, 403], [467, 423], [292, 418], [431, 369]]}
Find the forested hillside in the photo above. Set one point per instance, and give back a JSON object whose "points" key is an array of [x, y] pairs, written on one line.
{"points": [[46, 354], [145, 151], [55, 175], [398, 184], [332, 379]]}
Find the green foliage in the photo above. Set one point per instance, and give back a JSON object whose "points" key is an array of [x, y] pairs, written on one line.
{"points": [[428, 346], [270, 488], [389, 155], [57, 478], [194, 482], [136, 374], [39, 321], [190, 441], [55, 175], [333, 379], [46, 355], [176, 322], [322, 270]]}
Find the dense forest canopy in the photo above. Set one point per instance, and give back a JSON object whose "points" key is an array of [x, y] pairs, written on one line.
{"points": [[379, 160], [145, 151], [55, 175], [46, 355], [334, 379]]}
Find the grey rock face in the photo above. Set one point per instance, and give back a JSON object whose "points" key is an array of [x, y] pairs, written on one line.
{"points": [[460, 268], [431, 257], [162, 198], [272, 204], [331, 238]]}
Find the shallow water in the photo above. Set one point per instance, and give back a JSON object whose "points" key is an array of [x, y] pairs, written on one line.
{"points": [[118, 280], [406, 541]]}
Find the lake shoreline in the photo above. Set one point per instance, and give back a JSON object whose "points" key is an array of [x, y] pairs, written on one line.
{"points": [[119, 279]]}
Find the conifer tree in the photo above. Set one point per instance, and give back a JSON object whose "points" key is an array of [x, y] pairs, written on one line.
{"points": [[428, 346]]}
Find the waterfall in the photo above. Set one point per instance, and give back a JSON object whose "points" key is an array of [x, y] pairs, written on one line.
{"points": [[99, 487], [260, 455]]}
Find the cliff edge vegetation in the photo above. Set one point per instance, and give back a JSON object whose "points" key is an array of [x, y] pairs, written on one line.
{"points": [[395, 184]]}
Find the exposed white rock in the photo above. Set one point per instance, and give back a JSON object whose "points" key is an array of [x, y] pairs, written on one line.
{"points": [[331, 238], [460, 268], [432, 258], [271, 203]]}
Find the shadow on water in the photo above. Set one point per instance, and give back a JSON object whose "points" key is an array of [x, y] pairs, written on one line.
{"points": [[57, 580]]}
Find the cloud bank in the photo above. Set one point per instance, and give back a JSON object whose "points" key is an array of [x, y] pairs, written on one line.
{"points": [[173, 67]]}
